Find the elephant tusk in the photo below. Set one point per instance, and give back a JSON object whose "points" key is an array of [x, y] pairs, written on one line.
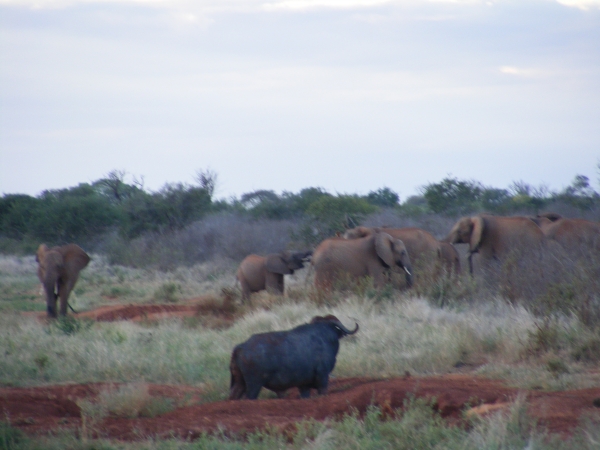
{"points": [[408, 272]]}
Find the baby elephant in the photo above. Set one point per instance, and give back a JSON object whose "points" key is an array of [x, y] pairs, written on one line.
{"points": [[257, 273]]}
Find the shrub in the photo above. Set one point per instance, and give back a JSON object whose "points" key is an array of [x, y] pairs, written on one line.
{"points": [[10, 438], [167, 292]]}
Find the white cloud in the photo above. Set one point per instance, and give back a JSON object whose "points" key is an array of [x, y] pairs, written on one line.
{"points": [[314, 4], [581, 4], [521, 72], [273, 5]]}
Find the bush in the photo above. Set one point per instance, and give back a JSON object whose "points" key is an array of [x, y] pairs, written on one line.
{"points": [[10, 438]]}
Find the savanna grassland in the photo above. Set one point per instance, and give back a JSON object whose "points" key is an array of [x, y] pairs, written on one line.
{"points": [[535, 329]]}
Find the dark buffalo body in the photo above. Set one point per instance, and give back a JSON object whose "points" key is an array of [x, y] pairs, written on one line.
{"points": [[302, 357]]}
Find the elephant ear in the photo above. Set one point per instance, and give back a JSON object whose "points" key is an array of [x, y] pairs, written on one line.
{"points": [[276, 264], [41, 252], [74, 258], [383, 248], [476, 233]]}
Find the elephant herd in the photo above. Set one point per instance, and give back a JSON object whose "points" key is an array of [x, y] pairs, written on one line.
{"points": [[361, 252], [304, 356], [364, 251]]}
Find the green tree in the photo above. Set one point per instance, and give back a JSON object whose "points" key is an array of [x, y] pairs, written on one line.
{"points": [[384, 197], [114, 188], [63, 219], [17, 212], [173, 207], [330, 215], [453, 196], [580, 193]]}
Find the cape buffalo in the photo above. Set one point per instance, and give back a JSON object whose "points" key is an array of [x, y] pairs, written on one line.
{"points": [[302, 357]]}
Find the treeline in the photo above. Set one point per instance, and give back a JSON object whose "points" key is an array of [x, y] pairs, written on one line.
{"points": [[88, 212]]}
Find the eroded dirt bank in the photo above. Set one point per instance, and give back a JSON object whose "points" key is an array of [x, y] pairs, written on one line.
{"points": [[51, 408]]}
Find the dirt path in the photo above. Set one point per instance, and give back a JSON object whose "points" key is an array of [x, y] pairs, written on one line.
{"points": [[218, 312], [43, 409]]}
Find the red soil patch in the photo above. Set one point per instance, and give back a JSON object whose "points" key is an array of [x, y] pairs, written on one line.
{"points": [[48, 409], [219, 313]]}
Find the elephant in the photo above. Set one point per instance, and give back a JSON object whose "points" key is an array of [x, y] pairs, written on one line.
{"points": [[450, 258], [421, 245], [257, 273], [570, 233], [366, 256], [551, 216], [493, 237], [58, 270]]}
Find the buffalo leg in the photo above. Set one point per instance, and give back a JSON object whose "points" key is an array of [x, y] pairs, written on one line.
{"points": [[322, 384], [304, 392], [280, 394], [252, 390], [237, 390]]}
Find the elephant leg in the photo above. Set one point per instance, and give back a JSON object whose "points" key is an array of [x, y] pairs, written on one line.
{"points": [[51, 298], [245, 291], [64, 290], [379, 278], [274, 283]]}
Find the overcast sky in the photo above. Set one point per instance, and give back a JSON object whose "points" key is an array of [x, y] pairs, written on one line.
{"points": [[347, 95]]}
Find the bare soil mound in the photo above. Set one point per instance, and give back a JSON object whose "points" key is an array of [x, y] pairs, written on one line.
{"points": [[214, 312], [48, 409]]}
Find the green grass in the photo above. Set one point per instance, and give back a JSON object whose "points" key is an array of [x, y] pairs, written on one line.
{"points": [[100, 283], [406, 334], [416, 426], [399, 332]]}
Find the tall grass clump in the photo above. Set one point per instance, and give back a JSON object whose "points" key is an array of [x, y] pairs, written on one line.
{"points": [[395, 336]]}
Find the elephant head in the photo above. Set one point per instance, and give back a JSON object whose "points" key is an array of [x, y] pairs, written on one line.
{"points": [[449, 257], [468, 230], [58, 271], [393, 253], [493, 237], [285, 263]]}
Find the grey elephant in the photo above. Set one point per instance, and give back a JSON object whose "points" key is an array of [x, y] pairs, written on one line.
{"points": [[58, 270], [257, 273], [366, 256], [421, 245], [493, 237]]}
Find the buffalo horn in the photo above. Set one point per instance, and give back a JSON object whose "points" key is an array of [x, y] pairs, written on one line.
{"points": [[344, 329]]}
